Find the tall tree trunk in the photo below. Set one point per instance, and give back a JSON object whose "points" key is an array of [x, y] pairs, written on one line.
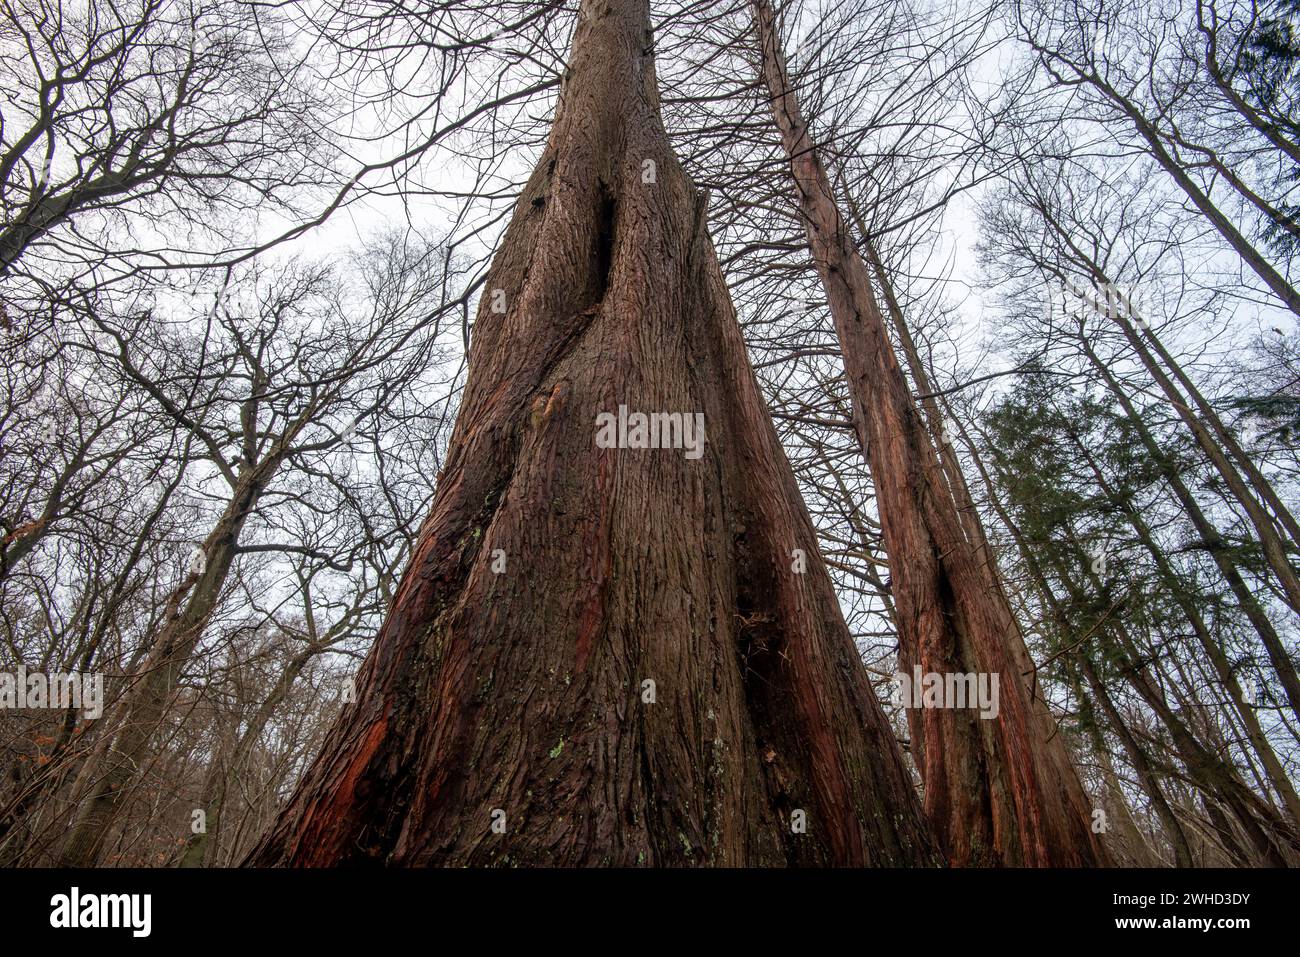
{"points": [[1001, 791], [1271, 838], [1157, 148], [1173, 828], [1209, 536], [1277, 776], [144, 704], [1258, 481], [201, 848], [1274, 547], [1274, 843], [1124, 831], [505, 718], [1137, 756], [66, 761]]}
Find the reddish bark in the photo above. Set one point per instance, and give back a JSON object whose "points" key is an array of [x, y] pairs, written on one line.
{"points": [[1000, 791], [521, 691]]}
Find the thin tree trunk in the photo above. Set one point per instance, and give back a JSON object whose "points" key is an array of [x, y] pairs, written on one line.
{"points": [[1218, 780], [997, 792], [1199, 198], [1258, 482], [1210, 538], [1274, 548], [1137, 756], [1222, 668], [201, 847], [1274, 844], [1130, 836], [1141, 765], [1273, 132], [144, 704]]}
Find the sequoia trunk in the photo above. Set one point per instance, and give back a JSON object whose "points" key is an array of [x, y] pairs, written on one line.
{"points": [[1000, 791], [598, 655]]}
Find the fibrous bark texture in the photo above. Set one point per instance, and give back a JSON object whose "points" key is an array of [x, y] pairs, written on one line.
{"points": [[504, 715], [1000, 791]]}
